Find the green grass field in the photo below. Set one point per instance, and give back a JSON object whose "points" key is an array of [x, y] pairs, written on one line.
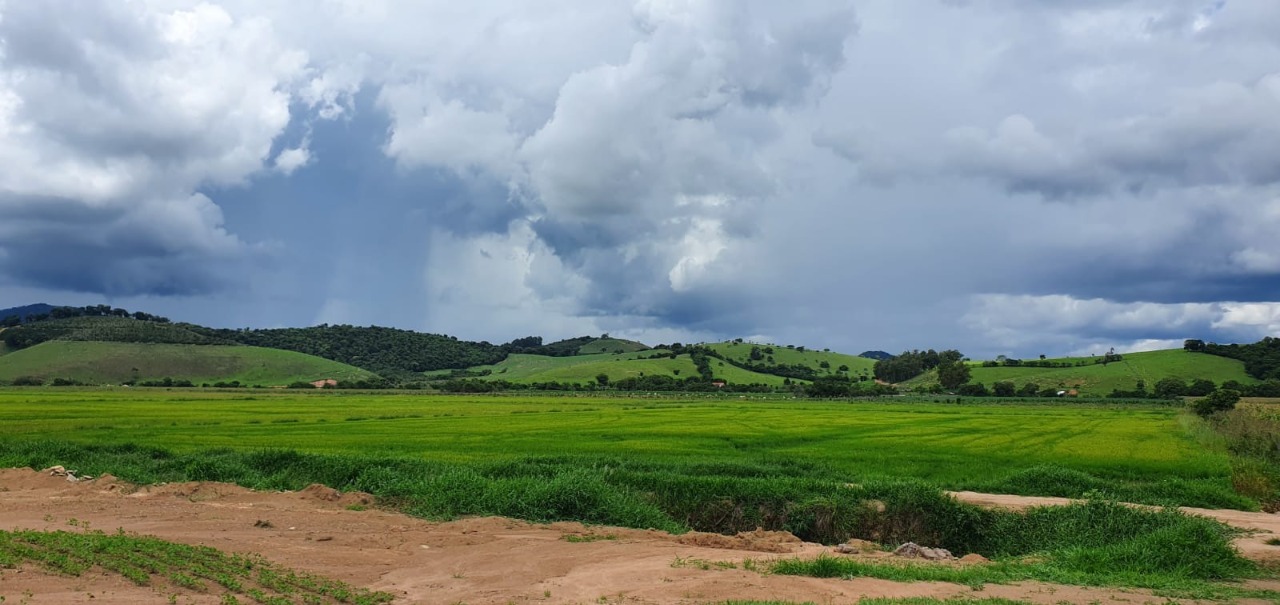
{"points": [[825, 471], [951, 445], [1099, 380], [783, 356], [115, 362]]}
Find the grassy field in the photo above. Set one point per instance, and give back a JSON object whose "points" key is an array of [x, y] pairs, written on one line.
{"points": [[114, 362], [825, 471], [957, 446], [783, 356], [1099, 380], [522, 368]]}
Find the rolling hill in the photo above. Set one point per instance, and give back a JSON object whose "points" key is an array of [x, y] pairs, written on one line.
{"points": [[26, 310], [1099, 380], [775, 355], [117, 362], [611, 345], [523, 368]]}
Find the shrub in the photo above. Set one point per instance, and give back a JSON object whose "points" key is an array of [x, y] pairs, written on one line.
{"points": [[28, 381], [1221, 400]]}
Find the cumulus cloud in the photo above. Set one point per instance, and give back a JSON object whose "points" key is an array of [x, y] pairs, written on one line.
{"points": [[111, 117], [645, 168], [1224, 133]]}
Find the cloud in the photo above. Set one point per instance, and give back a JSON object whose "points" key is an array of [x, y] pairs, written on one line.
{"points": [[1067, 323], [646, 168], [1225, 133], [111, 118]]}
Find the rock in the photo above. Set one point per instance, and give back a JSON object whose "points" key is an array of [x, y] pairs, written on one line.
{"points": [[56, 471], [855, 546], [911, 550], [936, 554]]}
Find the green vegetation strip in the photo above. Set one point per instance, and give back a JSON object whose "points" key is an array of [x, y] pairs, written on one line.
{"points": [[1135, 453], [144, 560]]}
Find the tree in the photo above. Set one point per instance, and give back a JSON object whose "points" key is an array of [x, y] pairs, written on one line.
{"points": [[1194, 345], [1201, 387], [1004, 388], [952, 375], [1170, 388], [1030, 389], [602, 379], [1221, 400]]}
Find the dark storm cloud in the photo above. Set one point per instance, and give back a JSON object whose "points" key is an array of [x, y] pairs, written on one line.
{"points": [[988, 175]]}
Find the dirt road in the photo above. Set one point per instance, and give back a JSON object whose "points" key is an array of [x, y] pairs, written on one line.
{"points": [[474, 561]]}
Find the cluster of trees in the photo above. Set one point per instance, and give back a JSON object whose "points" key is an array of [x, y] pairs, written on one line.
{"points": [[86, 311], [386, 351], [106, 329], [532, 345], [1261, 359], [653, 383], [910, 364], [828, 387]]}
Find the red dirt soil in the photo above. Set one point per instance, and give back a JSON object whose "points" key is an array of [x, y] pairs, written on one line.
{"points": [[475, 561]]}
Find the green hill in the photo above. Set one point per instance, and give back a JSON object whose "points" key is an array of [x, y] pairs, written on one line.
{"points": [[1098, 380], [523, 368], [792, 361], [611, 345], [116, 362], [106, 329]]}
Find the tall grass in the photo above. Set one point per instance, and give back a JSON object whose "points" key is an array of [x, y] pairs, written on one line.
{"points": [[1251, 433]]}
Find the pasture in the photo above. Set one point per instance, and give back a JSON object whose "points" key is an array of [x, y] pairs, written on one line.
{"points": [[1094, 379], [741, 352], [115, 362], [583, 369], [959, 446]]}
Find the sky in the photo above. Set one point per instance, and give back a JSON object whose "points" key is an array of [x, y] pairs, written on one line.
{"points": [[1014, 177]]}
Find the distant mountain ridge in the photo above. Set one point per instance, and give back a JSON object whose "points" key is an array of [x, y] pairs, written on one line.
{"points": [[25, 311]]}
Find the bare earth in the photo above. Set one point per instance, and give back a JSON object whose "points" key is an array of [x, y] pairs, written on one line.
{"points": [[474, 561]]}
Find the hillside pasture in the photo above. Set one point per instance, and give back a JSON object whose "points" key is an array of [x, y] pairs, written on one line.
{"points": [[741, 353], [611, 345], [117, 362], [1096, 379], [583, 369]]}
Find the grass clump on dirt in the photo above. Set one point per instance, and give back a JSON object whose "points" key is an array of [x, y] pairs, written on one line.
{"points": [[147, 561], [1091, 543]]}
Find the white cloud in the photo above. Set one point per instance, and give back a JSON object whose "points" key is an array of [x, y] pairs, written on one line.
{"points": [[293, 158], [122, 111]]}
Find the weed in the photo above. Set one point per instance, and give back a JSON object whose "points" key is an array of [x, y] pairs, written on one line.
{"points": [[142, 559], [580, 538]]}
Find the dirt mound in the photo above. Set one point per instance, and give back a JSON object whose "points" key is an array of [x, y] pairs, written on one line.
{"points": [[758, 540]]}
